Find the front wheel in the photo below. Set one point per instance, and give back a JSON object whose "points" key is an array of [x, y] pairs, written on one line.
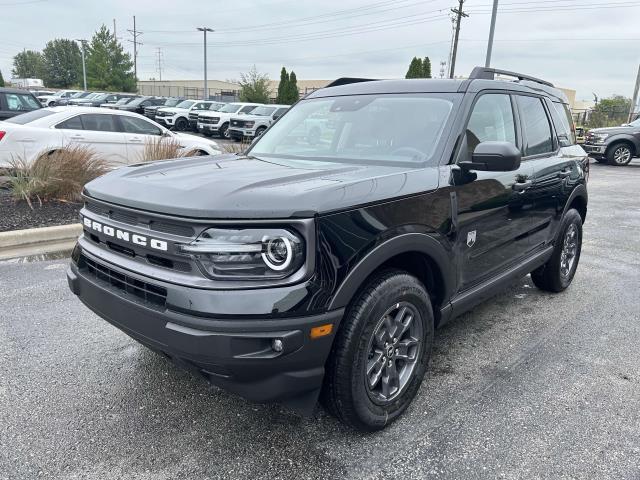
{"points": [[224, 131], [619, 155], [182, 124], [557, 274], [381, 352]]}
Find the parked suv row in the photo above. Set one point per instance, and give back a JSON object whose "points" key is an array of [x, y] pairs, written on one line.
{"points": [[218, 122], [256, 122]]}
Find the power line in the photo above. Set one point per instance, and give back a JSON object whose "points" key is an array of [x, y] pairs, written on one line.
{"points": [[459, 14], [135, 42]]}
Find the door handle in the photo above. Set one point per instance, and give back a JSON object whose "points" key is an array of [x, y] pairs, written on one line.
{"points": [[77, 137], [522, 186], [135, 140]]}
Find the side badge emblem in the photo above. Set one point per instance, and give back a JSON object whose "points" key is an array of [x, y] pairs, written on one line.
{"points": [[471, 238]]}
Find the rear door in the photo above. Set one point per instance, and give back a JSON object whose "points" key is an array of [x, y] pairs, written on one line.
{"points": [[493, 207], [100, 133]]}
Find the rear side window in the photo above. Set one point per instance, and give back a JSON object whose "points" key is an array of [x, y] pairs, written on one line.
{"points": [[73, 123], [99, 123], [20, 102], [535, 125], [491, 121], [563, 121], [247, 109], [139, 126]]}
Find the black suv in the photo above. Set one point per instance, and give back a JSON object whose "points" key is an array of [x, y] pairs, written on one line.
{"points": [[305, 269], [616, 145], [14, 101]]}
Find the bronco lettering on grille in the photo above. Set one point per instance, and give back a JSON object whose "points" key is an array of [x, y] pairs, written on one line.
{"points": [[125, 236]]}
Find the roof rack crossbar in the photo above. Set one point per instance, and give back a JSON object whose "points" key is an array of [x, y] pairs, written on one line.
{"points": [[490, 73], [348, 80]]}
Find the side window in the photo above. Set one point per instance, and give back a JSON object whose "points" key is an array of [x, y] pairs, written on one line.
{"points": [[491, 121], [139, 126], [73, 123], [279, 113], [247, 109], [13, 102], [99, 123], [199, 106], [563, 121], [535, 124]]}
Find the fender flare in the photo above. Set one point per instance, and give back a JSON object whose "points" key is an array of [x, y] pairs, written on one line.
{"points": [[579, 191], [615, 138], [404, 243]]}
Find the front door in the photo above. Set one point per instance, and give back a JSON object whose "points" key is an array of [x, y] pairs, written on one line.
{"points": [[100, 133], [493, 207]]}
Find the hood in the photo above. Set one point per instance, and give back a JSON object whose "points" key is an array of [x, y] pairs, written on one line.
{"points": [[614, 130], [231, 186], [173, 109], [248, 117]]}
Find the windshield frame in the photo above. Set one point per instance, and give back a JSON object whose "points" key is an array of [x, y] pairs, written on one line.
{"points": [[434, 159], [190, 102]]}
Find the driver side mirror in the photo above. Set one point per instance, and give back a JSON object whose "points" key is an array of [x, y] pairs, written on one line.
{"points": [[494, 157]]}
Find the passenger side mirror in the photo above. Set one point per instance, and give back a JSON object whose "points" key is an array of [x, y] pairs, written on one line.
{"points": [[564, 140], [494, 157]]}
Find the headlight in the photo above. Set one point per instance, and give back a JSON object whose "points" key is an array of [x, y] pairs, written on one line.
{"points": [[249, 124], [248, 253], [600, 137]]}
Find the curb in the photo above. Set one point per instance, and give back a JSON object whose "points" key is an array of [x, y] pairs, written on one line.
{"points": [[44, 240]]}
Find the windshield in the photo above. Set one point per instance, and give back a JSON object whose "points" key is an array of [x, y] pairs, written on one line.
{"points": [[100, 97], [30, 116], [138, 101], [230, 108], [216, 106], [185, 104], [360, 128], [79, 95], [263, 111], [122, 101], [171, 102]]}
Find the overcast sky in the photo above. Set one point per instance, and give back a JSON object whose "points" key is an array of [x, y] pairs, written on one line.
{"points": [[586, 45]]}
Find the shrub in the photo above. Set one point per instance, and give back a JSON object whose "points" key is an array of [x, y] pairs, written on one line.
{"points": [[162, 148], [59, 175]]}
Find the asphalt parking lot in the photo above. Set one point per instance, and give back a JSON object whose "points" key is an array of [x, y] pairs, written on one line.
{"points": [[529, 385]]}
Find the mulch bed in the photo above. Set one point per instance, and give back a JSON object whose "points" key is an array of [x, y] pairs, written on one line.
{"points": [[18, 216]]}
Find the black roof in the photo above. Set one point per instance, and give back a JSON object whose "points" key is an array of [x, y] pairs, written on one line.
{"points": [[14, 90]]}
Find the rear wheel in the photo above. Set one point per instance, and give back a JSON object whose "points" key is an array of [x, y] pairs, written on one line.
{"points": [[619, 154], [381, 352], [557, 274], [260, 131]]}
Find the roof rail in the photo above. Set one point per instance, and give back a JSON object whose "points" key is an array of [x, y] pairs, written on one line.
{"points": [[348, 80], [490, 73]]}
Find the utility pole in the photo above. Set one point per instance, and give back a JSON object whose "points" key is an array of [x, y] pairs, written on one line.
{"points": [[135, 42], [634, 102], [205, 30], [492, 30], [159, 62], [459, 14], [84, 68], [115, 36]]}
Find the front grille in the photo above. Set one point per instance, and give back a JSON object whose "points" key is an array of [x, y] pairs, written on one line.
{"points": [[209, 120], [143, 292], [193, 116], [237, 123]]}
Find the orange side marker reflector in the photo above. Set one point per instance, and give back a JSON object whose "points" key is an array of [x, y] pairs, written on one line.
{"points": [[321, 331]]}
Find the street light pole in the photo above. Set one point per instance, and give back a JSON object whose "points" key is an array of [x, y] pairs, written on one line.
{"points": [[205, 30], [492, 29], [84, 68]]}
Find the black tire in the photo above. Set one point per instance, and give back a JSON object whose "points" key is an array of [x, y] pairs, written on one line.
{"points": [[601, 160], [260, 131], [182, 124], [206, 133], [620, 154], [346, 392], [556, 275], [224, 131]]}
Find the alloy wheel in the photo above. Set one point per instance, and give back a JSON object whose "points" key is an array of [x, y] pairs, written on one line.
{"points": [[622, 155], [569, 250], [393, 353]]}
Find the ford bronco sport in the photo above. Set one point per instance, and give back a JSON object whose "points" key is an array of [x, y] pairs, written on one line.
{"points": [[302, 270]]}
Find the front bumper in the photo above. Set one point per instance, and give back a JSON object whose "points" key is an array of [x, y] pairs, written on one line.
{"points": [[595, 150], [168, 121], [240, 133], [208, 127], [234, 352]]}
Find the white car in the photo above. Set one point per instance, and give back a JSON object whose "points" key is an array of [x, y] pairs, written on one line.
{"points": [[118, 137], [178, 117], [50, 100], [255, 123], [218, 122]]}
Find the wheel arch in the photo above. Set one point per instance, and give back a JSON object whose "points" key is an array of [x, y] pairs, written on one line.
{"points": [[624, 138], [417, 253], [578, 199]]}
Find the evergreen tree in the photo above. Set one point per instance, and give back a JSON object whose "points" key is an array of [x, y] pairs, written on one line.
{"points": [[293, 92], [426, 68], [27, 64], [62, 63], [1, 80], [109, 67], [283, 87], [415, 68]]}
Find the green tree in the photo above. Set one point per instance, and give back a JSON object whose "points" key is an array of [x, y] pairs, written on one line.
{"points": [[293, 93], [610, 112], [62, 63], [109, 67], [426, 68], [283, 87], [415, 68], [1, 80], [27, 64], [255, 86]]}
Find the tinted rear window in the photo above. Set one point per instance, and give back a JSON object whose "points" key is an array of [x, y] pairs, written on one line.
{"points": [[30, 116]]}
